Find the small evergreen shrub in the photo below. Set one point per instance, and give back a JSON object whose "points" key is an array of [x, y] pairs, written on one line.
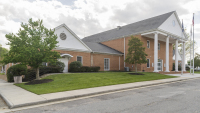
{"points": [[16, 70], [58, 64], [31, 73], [75, 66]]}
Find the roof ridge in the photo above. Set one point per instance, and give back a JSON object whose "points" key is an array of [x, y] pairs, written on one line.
{"points": [[130, 24]]}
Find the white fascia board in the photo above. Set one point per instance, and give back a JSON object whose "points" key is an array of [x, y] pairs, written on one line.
{"points": [[71, 49], [152, 32], [180, 38], [64, 25], [66, 55]]}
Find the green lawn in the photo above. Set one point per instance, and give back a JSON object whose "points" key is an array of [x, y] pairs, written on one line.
{"points": [[66, 82], [2, 73]]}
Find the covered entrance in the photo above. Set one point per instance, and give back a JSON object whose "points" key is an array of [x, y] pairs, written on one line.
{"points": [[65, 58], [160, 67]]}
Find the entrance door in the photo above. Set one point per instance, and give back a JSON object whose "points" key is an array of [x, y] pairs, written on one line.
{"points": [[65, 61], [159, 65]]}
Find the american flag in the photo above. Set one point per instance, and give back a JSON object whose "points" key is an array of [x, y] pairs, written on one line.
{"points": [[193, 20], [182, 26]]}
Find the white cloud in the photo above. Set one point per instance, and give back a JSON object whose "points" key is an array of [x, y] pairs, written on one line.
{"points": [[87, 17]]}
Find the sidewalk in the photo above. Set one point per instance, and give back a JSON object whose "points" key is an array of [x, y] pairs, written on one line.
{"points": [[17, 97]]}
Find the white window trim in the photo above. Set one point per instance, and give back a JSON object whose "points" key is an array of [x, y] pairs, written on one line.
{"points": [[149, 63], [149, 43], [108, 64], [158, 46], [81, 59]]}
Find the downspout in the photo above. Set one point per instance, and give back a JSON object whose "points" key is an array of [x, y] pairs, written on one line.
{"points": [[124, 52]]}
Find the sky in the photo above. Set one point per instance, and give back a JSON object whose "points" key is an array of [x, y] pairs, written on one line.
{"points": [[87, 17]]}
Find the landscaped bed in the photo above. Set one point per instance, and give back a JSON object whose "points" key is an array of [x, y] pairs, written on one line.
{"points": [[66, 82]]}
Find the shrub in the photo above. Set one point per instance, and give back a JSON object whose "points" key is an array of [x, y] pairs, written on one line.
{"points": [[86, 69], [58, 64], [16, 70], [31, 73], [179, 67], [75, 66]]}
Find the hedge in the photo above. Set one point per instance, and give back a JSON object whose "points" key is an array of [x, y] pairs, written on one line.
{"points": [[75, 66], [58, 64], [31, 73], [16, 70]]}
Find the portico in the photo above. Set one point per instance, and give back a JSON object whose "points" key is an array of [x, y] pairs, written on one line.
{"points": [[160, 63]]}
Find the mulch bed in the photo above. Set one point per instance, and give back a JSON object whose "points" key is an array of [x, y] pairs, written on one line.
{"points": [[136, 73], [38, 81]]}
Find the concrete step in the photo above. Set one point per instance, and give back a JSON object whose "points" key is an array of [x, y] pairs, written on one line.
{"points": [[172, 72]]}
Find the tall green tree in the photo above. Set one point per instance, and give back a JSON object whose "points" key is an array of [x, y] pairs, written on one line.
{"points": [[3, 51], [196, 61], [32, 45], [136, 52]]}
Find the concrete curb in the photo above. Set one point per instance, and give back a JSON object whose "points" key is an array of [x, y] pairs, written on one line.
{"points": [[11, 105]]}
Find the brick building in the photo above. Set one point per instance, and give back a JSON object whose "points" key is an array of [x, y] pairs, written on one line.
{"points": [[108, 49]]}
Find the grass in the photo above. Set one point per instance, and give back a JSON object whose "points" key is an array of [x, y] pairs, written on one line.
{"points": [[2, 73], [66, 82]]}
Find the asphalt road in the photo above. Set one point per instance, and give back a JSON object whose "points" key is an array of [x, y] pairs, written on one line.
{"points": [[180, 97]]}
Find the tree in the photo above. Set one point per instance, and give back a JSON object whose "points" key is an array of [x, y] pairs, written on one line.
{"points": [[196, 61], [32, 45], [188, 44], [136, 54], [3, 51]]}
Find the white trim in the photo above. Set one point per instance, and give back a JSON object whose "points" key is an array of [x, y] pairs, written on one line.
{"points": [[149, 43], [108, 64], [81, 59], [149, 63], [70, 49], [68, 55], [64, 25], [152, 32]]}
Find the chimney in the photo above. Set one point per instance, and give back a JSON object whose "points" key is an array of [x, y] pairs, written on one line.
{"points": [[118, 27]]}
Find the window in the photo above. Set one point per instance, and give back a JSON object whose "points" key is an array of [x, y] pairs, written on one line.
{"points": [[148, 63], [106, 64], [148, 44], [44, 63], [158, 46], [79, 58]]}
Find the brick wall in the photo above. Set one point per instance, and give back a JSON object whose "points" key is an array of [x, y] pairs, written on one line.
{"points": [[98, 60], [118, 44], [85, 56]]}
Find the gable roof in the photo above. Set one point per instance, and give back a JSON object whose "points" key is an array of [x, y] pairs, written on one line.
{"points": [[64, 25], [127, 30], [100, 48]]}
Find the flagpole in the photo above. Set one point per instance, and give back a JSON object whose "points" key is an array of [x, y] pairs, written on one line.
{"points": [[182, 51], [193, 43], [190, 47]]}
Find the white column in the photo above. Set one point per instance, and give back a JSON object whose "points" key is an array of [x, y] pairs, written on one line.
{"points": [[183, 56], [167, 55], [176, 56], [155, 52]]}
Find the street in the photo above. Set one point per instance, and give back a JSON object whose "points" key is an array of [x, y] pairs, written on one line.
{"points": [[179, 97]]}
